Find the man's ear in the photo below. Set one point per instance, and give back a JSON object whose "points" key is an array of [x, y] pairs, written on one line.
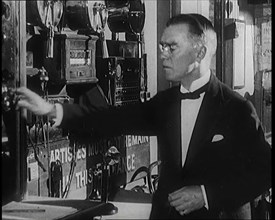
{"points": [[201, 53]]}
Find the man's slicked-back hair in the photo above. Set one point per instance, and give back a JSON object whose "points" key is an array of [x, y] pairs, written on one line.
{"points": [[209, 31], [195, 27], [196, 31], [200, 29], [204, 22]]}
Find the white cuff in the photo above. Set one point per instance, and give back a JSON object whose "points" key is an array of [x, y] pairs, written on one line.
{"points": [[204, 197], [59, 115]]}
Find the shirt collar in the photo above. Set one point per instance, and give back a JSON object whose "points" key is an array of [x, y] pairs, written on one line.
{"points": [[198, 83]]}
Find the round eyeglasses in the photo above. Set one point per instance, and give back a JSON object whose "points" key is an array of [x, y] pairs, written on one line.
{"points": [[168, 48]]}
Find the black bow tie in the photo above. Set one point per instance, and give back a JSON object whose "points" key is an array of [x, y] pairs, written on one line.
{"points": [[195, 94]]}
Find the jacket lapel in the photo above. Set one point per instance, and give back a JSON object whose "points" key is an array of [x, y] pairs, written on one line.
{"points": [[206, 119]]}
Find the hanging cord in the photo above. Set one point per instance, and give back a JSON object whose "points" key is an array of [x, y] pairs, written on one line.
{"points": [[36, 132], [43, 132], [112, 65], [73, 165], [34, 146], [44, 80], [102, 93], [109, 92]]}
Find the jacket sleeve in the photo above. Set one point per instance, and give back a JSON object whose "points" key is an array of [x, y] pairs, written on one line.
{"points": [[136, 119]]}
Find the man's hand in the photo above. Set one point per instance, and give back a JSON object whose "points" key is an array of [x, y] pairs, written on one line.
{"points": [[34, 103], [187, 199]]}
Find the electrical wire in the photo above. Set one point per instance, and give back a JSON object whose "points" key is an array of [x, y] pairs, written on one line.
{"points": [[102, 93], [44, 80], [71, 172], [43, 132], [34, 146], [109, 92]]}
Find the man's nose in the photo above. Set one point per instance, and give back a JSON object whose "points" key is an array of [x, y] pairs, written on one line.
{"points": [[164, 54]]}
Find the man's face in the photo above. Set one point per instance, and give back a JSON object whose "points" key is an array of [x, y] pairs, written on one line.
{"points": [[179, 61]]}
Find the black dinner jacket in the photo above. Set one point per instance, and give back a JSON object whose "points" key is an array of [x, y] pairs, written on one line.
{"points": [[234, 169]]}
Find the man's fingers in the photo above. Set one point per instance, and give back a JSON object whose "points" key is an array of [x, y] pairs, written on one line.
{"points": [[20, 90], [182, 205], [177, 202], [178, 199], [186, 199], [23, 104], [176, 194], [184, 212], [23, 91], [184, 208]]}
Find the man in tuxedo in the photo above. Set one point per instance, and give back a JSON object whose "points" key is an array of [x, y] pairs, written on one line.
{"points": [[213, 152]]}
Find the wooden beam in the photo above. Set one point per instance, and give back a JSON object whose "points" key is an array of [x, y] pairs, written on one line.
{"points": [[175, 6], [219, 16], [163, 14]]}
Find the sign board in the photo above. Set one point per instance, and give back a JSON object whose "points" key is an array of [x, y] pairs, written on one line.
{"points": [[75, 165]]}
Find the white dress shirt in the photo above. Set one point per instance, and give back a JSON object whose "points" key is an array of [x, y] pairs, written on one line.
{"points": [[189, 112]]}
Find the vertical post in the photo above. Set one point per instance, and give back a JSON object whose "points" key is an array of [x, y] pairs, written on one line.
{"points": [[21, 142], [163, 14], [219, 16], [175, 7]]}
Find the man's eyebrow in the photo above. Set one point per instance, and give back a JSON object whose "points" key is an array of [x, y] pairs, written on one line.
{"points": [[173, 43]]}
